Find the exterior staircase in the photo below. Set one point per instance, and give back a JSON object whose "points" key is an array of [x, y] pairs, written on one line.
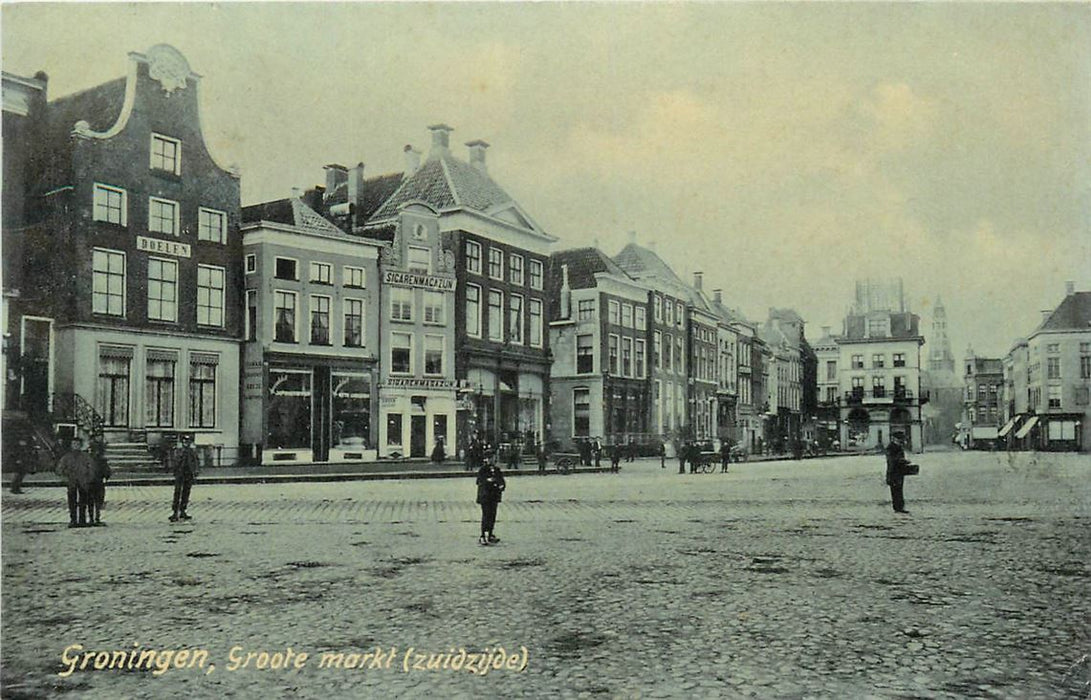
{"points": [[131, 457]]}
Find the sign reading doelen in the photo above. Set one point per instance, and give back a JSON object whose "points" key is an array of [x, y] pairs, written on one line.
{"points": [[415, 279], [418, 383], [156, 245]]}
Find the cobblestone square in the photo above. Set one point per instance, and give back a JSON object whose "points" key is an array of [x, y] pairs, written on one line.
{"points": [[785, 579]]}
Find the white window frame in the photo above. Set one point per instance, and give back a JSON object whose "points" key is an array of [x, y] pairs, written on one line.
{"points": [[613, 340], [402, 291], [500, 274], [295, 320], [312, 304], [576, 366], [221, 232], [640, 349], [613, 312], [124, 282], [513, 268], [408, 335], [344, 321], [174, 219], [679, 314], [626, 343], [627, 315], [502, 315], [223, 296], [285, 257], [347, 274], [174, 304], [177, 169], [472, 331], [470, 267], [533, 264], [579, 309], [640, 318], [249, 333], [521, 339], [315, 269], [105, 190], [442, 306], [251, 262], [442, 356], [412, 265], [538, 324]]}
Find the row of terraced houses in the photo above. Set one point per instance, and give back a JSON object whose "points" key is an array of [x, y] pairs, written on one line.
{"points": [[369, 316]]}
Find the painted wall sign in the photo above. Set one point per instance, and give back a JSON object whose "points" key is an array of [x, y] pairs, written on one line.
{"points": [[157, 245], [414, 279], [418, 383]]}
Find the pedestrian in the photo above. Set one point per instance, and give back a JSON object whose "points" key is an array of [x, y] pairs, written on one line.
{"points": [[895, 473], [22, 456], [77, 469], [662, 455], [490, 490], [615, 458], [725, 455], [596, 452], [683, 453], [631, 453], [438, 453], [184, 464], [102, 473], [585, 452], [513, 455], [541, 452]]}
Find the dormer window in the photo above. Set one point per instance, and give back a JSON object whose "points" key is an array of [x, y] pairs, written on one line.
{"points": [[166, 154]]}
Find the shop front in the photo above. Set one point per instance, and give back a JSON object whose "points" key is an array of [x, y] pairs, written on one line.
{"points": [[506, 407], [417, 416]]}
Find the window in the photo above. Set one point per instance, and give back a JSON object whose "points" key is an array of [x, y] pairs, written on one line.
{"points": [[166, 154], [159, 392], [321, 273], [202, 392], [1085, 367], [401, 353], [420, 260], [876, 327], [112, 395], [401, 304], [657, 349], [320, 320], [515, 318], [899, 387], [857, 361], [286, 269], [352, 277], [679, 356], [473, 257], [877, 361], [668, 355], [394, 429], [627, 357], [1053, 348], [433, 354], [110, 205], [641, 319], [473, 311], [434, 307], [496, 315], [354, 323], [831, 394], [1053, 368], [857, 387], [899, 359], [669, 308], [162, 289], [284, 310], [831, 369], [612, 354], [627, 315], [162, 216], [878, 387], [251, 264], [515, 268], [639, 359], [581, 412], [496, 263], [1054, 395], [211, 225], [586, 309], [679, 314], [585, 354], [210, 295], [251, 314], [108, 292], [535, 274], [613, 313], [534, 310]]}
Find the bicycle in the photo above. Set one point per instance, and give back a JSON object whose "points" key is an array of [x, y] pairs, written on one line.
{"points": [[564, 464]]}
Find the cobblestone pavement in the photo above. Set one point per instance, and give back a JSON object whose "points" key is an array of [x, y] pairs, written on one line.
{"points": [[774, 580]]}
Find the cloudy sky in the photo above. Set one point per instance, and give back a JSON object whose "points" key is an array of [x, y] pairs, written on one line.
{"points": [[785, 150]]}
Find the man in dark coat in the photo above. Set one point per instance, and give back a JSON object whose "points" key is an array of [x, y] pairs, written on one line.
{"points": [[78, 470], [895, 473], [102, 473], [490, 490], [184, 464], [725, 455], [615, 458], [596, 452]]}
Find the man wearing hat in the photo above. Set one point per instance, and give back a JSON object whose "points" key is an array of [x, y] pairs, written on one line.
{"points": [[78, 470], [184, 463]]}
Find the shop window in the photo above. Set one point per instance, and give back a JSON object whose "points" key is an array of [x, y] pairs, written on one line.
{"points": [[393, 429], [288, 415], [202, 392], [351, 411]]}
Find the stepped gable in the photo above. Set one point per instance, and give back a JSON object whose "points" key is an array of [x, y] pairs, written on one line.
{"points": [[1074, 313]]}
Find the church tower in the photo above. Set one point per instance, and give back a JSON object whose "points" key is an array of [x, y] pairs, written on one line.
{"points": [[940, 358]]}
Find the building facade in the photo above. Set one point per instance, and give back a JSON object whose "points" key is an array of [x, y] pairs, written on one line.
{"points": [[136, 257], [982, 402], [310, 338]]}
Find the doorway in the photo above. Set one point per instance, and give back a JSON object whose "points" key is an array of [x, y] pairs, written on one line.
{"points": [[417, 436]]}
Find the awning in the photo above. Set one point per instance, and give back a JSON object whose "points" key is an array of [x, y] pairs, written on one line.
{"points": [[1026, 427], [1007, 426]]}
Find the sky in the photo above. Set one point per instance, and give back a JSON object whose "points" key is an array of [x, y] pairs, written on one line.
{"points": [[784, 150]]}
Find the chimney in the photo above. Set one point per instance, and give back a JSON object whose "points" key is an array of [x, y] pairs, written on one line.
{"points": [[335, 176], [356, 186], [825, 331], [441, 138], [697, 279], [477, 154], [566, 294], [412, 159], [718, 295], [1069, 288]]}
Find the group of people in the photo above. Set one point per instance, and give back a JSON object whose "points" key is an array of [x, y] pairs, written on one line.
{"points": [[591, 452], [691, 453]]}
